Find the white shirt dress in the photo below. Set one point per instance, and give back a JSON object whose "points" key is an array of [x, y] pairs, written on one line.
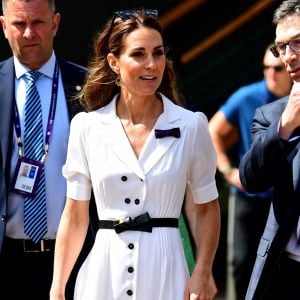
{"points": [[133, 264]]}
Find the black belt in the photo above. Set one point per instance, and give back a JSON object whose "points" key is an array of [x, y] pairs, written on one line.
{"points": [[140, 223], [28, 246]]}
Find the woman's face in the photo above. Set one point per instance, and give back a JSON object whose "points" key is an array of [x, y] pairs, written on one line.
{"points": [[142, 62]]}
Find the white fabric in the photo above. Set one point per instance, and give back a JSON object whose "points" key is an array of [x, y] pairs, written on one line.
{"points": [[99, 153], [293, 248]]}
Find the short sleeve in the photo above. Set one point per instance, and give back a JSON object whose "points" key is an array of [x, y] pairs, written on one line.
{"points": [[232, 106], [203, 163], [76, 169]]}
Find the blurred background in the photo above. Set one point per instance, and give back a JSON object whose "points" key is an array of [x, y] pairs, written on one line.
{"points": [[216, 45]]}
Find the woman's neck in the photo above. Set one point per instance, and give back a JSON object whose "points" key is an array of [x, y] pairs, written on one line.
{"points": [[139, 110]]}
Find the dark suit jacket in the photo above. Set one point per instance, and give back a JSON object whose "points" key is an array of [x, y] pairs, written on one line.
{"points": [[73, 75], [272, 162]]}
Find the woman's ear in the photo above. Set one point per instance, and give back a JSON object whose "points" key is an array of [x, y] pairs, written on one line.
{"points": [[113, 63]]}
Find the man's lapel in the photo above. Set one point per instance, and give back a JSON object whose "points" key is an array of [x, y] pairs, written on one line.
{"points": [[296, 176], [7, 94], [73, 81]]}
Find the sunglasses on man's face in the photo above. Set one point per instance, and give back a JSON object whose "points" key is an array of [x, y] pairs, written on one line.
{"points": [[277, 68]]}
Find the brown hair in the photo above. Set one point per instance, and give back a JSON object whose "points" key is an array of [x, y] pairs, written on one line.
{"points": [[100, 84]]}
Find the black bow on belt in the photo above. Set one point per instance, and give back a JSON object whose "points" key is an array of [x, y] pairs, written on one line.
{"points": [[160, 133], [139, 223]]}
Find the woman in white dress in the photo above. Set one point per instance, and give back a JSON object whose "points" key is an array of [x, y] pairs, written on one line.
{"points": [[138, 150]]}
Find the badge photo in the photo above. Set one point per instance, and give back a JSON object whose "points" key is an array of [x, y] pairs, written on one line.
{"points": [[26, 177]]}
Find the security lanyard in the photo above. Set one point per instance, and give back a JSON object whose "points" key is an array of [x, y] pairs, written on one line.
{"points": [[51, 116]]}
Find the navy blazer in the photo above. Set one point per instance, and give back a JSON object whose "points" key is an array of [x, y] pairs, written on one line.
{"points": [[73, 75], [272, 162]]}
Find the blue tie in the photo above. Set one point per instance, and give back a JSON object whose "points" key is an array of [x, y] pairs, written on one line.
{"points": [[35, 217]]}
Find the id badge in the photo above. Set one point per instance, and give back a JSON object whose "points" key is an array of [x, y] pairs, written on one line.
{"points": [[26, 177]]}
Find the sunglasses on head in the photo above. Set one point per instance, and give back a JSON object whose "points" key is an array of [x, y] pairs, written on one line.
{"points": [[278, 68], [130, 14]]}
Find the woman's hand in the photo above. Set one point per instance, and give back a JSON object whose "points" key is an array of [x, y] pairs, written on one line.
{"points": [[201, 287]]}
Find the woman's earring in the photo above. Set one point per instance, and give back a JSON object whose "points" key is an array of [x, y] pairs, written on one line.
{"points": [[118, 80]]}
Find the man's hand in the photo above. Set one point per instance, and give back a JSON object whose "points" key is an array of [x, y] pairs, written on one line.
{"points": [[290, 118]]}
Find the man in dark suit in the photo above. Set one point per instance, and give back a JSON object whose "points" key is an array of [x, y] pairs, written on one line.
{"points": [[274, 162], [26, 264]]}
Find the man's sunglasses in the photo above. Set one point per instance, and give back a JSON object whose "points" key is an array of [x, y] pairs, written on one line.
{"points": [[278, 68]]}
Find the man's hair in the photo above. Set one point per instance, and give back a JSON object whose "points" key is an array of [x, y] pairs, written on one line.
{"points": [[50, 2], [286, 8]]}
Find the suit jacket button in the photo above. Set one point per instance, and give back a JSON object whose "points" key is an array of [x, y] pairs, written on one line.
{"points": [[129, 293], [124, 178]]}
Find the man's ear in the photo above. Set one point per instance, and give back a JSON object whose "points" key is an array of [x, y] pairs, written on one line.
{"points": [[56, 21], [2, 21]]}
